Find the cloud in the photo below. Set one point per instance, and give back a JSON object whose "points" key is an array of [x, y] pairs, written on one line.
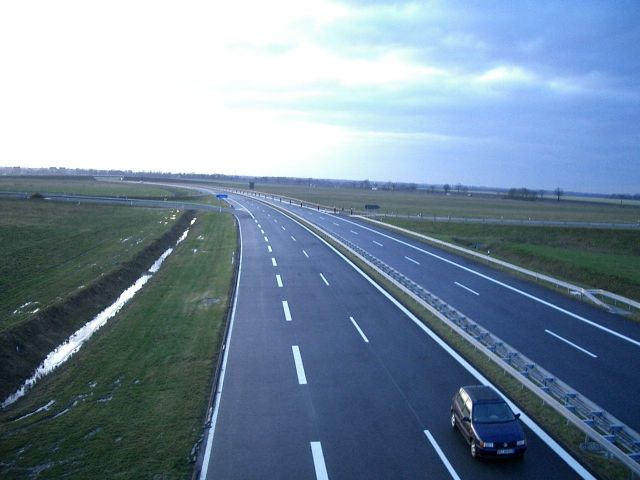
{"points": [[290, 86]]}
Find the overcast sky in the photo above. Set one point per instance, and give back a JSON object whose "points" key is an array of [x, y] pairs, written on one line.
{"points": [[535, 94]]}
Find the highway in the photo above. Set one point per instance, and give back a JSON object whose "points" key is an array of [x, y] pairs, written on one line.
{"points": [[593, 351], [325, 376]]}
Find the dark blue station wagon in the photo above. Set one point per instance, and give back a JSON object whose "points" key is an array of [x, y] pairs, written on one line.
{"points": [[487, 423]]}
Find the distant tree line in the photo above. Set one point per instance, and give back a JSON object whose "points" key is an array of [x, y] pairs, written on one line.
{"points": [[522, 194]]}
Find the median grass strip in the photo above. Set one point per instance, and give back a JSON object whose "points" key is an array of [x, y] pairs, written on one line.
{"points": [[131, 403]]}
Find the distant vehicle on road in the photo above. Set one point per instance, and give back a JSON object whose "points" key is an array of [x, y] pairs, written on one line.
{"points": [[487, 423]]}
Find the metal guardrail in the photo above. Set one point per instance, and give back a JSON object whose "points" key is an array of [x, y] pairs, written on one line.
{"points": [[588, 294], [571, 288], [609, 434]]}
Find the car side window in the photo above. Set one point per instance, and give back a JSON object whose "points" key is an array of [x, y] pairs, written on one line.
{"points": [[466, 409]]}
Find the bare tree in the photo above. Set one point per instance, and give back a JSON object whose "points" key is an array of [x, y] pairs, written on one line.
{"points": [[447, 188], [558, 192]]}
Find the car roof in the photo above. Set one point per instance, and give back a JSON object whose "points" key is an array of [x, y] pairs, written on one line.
{"points": [[482, 394]]}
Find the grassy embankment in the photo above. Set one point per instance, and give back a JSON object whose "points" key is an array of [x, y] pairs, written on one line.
{"points": [[62, 264], [131, 403]]}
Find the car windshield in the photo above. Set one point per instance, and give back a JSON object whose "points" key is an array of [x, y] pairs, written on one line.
{"points": [[492, 413]]}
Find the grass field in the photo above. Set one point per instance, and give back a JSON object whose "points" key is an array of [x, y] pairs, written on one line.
{"points": [[590, 257], [89, 186], [419, 202], [131, 403], [51, 250]]}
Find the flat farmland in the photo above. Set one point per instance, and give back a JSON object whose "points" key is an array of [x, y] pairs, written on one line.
{"points": [[405, 203], [49, 251], [90, 186]]}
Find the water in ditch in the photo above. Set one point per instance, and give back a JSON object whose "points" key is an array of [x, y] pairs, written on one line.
{"points": [[64, 351]]}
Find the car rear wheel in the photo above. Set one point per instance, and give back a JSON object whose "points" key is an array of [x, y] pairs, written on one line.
{"points": [[453, 421]]}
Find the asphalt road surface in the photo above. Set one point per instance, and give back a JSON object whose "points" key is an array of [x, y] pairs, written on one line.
{"points": [[595, 352], [327, 377]]}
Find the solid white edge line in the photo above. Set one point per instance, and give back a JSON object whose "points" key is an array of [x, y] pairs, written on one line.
{"points": [[355, 324], [535, 428], [412, 260], [571, 343], [442, 456], [318, 461], [466, 288], [287, 312], [297, 359], [223, 368], [324, 280], [507, 286], [279, 280]]}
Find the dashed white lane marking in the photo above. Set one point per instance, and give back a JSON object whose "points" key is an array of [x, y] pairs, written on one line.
{"points": [[378, 243], [563, 454], [302, 378], [364, 337], [441, 454], [592, 355], [466, 288], [412, 260], [269, 248], [505, 285], [318, 461], [273, 262], [336, 224], [279, 280], [324, 280], [354, 232], [266, 239], [287, 312], [262, 232], [305, 254], [293, 238], [284, 229]]}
